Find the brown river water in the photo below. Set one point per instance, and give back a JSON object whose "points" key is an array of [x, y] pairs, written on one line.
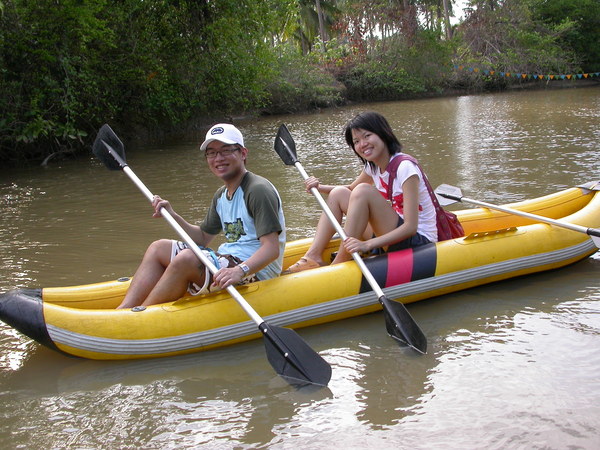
{"points": [[510, 365]]}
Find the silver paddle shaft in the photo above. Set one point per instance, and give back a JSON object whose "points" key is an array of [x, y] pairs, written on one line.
{"points": [[338, 227], [194, 247], [594, 234]]}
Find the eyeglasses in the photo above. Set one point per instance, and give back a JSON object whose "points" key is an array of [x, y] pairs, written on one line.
{"points": [[226, 151]]}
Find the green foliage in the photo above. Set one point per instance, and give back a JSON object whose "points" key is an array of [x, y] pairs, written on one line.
{"points": [[48, 55], [508, 39], [68, 66], [577, 22], [398, 69], [369, 82], [301, 84], [427, 58]]}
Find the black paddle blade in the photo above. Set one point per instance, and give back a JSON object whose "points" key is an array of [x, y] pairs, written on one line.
{"points": [[285, 146], [109, 149], [292, 358], [401, 326]]}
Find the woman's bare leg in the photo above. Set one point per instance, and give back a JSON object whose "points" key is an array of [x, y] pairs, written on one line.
{"points": [[337, 200], [366, 207]]}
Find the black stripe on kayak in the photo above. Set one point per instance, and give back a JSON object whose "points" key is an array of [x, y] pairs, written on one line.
{"points": [[424, 260], [23, 310]]}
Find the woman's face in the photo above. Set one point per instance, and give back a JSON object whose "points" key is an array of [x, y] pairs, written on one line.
{"points": [[368, 144]]}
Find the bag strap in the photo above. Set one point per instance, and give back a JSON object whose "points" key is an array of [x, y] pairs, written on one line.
{"points": [[444, 228], [392, 169]]}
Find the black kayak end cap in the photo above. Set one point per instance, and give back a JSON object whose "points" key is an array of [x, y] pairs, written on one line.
{"points": [[23, 310]]}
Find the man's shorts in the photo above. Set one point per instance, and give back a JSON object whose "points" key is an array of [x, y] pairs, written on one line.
{"points": [[220, 262]]}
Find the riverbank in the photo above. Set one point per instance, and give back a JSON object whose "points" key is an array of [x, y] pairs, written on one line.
{"points": [[140, 135], [196, 128]]}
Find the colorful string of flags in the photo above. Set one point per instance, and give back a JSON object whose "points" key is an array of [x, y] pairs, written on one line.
{"points": [[529, 76]]}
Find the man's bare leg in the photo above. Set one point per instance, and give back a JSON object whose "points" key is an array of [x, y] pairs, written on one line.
{"points": [[151, 269]]}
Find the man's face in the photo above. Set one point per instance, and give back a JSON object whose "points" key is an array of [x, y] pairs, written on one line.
{"points": [[226, 161]]}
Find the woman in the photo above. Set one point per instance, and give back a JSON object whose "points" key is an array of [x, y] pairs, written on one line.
{"points": [[371, 220]]}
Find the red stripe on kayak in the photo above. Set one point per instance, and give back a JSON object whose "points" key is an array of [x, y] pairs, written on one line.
{"points": [[400, 267]]}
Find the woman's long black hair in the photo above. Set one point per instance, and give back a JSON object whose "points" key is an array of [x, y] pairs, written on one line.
{"points": [[375, 123]]}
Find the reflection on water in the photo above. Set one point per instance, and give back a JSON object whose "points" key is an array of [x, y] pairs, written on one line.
{"points": [[530, 361], [512, 364], [544, 140]]}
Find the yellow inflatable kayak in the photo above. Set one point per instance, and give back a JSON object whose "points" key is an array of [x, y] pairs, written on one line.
{"points": [[82, 321]]}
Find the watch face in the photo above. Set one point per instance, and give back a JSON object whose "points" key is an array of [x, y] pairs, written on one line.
{"points": [[244, 267]]}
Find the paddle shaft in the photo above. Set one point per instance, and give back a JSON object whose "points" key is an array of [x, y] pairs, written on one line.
{"points": [[338, 227], [569, 226], [189, 241], [290, 356]]}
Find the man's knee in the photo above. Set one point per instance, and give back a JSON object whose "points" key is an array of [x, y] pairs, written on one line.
{"points": [[159, 250], [186, 258]]}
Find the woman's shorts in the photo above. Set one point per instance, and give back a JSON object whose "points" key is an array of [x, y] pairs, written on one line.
{"points": [[220, 262], [414, 241]]}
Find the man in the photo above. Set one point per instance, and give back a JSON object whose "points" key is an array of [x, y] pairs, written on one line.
{"points": [[247, 208]]}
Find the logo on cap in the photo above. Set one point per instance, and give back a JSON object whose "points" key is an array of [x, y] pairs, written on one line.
{"points": [[217, 130]]}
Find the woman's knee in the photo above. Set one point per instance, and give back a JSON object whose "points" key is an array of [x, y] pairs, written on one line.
{"points": [[364, 190], [339, 196]]}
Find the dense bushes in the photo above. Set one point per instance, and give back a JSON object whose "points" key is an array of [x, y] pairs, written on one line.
{"points": [[301, 84], [67, 67], [154, 65]]}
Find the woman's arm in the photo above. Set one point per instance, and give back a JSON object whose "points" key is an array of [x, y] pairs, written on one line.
{"points": [[313, 182], [410, 189]]}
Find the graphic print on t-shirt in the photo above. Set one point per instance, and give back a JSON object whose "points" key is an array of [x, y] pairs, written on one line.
{"points": [[234, 230]]}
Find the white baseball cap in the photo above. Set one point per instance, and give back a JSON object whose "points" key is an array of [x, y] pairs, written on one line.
{"points": [[223, 132]]}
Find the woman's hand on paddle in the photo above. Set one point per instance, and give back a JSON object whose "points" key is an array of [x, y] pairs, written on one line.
{"points": [[227, 276], [311, 182], [158, 203], [353, 245]]}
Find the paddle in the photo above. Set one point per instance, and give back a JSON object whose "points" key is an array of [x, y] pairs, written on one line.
{"points": [[289, 355], [398, 321], [450, 194]]}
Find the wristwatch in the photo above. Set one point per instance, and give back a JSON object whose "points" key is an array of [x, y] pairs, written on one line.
{"points": [[244, 268]]}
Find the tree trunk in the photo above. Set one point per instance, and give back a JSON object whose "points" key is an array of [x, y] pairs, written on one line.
{"points": [[322, 30], [447, 25]]}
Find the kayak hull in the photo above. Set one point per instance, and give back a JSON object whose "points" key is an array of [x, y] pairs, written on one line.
{"points": [[82, 320]]}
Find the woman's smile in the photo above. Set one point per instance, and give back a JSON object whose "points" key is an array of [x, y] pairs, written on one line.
{"points": [[368, 144]]}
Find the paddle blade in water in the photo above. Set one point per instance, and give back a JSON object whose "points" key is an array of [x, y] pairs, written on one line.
{"points": [[397, 321], [109, 149], [285, 146], [292, 358]]}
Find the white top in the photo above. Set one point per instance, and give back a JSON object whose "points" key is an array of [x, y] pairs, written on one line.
{"points": [[427, 220]]}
